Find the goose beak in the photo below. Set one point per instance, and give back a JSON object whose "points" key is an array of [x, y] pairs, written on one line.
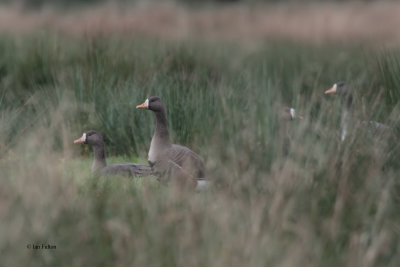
{"points": [[79, 141], [330, 91], [144, 105]]}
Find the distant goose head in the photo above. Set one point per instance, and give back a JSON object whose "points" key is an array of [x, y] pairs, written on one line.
{"points": [[90, 138], [153, 103], [339, 88], [344, 91], [290, 114]]}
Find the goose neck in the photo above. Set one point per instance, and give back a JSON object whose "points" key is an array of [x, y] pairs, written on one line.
{"points": [[99, 161], [161, 130], [348, 101]]}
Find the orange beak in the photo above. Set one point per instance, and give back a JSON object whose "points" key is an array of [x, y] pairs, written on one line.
{"points": [[330, 91], [79, 141], [141, 106], [144, 105]]}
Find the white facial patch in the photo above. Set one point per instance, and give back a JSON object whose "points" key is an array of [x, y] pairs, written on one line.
{"points": [[344, 134], [292, 113], [335, 87], [84, 137], [146, 103]]}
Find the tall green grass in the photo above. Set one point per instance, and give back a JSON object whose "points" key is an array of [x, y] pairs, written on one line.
{"points": [[316, 202]]}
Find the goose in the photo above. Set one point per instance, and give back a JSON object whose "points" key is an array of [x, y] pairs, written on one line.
{"points": [[344, 91], [100, 166], [170, 161]]}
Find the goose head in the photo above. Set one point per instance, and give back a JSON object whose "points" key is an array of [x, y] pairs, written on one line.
{"points": [[344, 91], [91, 138], [339, 88], [153, 103], [290, 114]]}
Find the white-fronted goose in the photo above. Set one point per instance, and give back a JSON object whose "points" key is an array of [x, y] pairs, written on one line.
{"points": [[170, 161], [347, 118], [100, 166]]}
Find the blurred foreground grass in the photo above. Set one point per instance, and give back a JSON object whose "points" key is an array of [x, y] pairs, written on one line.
{"points": [[325, 203]]}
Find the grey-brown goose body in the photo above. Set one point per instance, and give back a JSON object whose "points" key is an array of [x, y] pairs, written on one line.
{"points": [[100, 166], [170, 160], [175, 159]]}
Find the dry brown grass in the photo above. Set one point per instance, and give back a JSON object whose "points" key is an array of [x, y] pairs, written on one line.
{"points": [[353, 22]]}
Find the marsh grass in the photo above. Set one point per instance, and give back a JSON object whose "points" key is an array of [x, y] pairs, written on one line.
{"points": [[316, 202]]}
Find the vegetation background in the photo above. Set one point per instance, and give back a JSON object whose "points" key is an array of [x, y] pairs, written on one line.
{"points": [[317, 202]]}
